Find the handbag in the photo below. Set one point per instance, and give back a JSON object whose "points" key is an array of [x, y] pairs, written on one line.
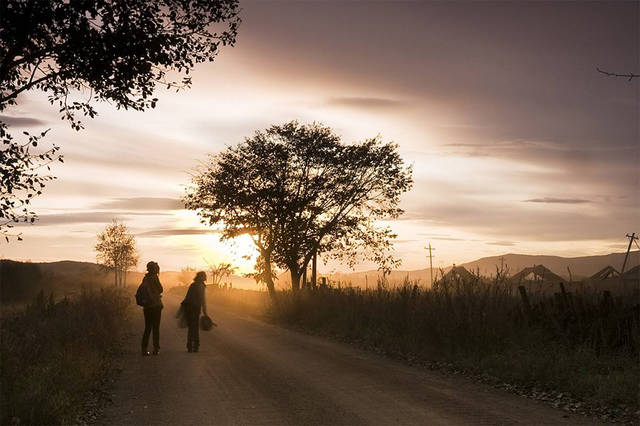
{"points": [[181, 317], [206, 323]]}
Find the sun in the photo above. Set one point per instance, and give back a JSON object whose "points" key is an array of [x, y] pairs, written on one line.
{"points": [[240, 251]]}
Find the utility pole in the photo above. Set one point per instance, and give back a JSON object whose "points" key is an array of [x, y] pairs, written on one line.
{"points": [[631, 238], [430, 260]]}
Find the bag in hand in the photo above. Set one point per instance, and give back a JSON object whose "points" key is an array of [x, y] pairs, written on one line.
{"points": [[206, 323], [181, 317]]}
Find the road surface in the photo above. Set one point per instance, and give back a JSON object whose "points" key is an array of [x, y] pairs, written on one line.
{"points": [[251, 373]]}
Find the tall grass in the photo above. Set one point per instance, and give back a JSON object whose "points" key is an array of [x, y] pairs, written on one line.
{"points": [[53, 352], [583, 342]]}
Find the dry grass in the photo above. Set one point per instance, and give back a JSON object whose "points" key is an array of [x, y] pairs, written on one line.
{"points": [[578, 342], [54, 352]]}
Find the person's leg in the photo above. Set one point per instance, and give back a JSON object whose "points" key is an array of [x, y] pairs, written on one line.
{"points": [[189, 317], [156, 329], [147, 330], [196, 331]]}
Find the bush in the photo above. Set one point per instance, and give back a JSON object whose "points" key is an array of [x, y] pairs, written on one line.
{"points": [[53, 353], [585, 343]]}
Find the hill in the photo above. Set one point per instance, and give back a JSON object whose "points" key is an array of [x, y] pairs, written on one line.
{"points": [[580, 267], [21, 281]]}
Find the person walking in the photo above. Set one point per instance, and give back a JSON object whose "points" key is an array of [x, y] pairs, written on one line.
{"points": [[152, 309], [193, 302]]}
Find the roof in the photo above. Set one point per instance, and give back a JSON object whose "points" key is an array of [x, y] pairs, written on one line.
{"points": [[604, 273], [458, 272], [632, 274], [539, 272]]}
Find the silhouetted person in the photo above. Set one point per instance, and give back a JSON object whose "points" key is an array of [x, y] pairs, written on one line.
{"points": [[152, 310], [193, 302]]}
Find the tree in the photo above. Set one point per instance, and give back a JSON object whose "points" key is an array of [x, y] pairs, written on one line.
{"points": [[298, 191], [116, 249], [78, 52], [218, 271], [20, 180]]}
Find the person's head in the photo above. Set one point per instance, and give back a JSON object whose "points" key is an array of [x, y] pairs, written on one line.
{"points": [[200, 277], [153, 267]]}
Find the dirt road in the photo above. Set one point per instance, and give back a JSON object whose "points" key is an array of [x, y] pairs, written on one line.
{"points": [[249, 372]]}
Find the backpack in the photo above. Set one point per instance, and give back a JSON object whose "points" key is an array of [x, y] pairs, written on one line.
{"points": [[142, 295]]}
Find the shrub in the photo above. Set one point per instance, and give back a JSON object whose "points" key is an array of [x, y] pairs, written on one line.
{"points": [[581, 342], [53, 352]]}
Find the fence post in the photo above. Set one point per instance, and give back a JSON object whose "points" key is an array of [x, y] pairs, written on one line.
{"points": [[563, 294], [525, 301]]}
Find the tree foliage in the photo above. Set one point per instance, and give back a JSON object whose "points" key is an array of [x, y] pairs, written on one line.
{"points": [[20, 179], [298, 191], [117, 51], [116, 250]]}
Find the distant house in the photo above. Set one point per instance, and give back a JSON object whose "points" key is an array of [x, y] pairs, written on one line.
{"points": [[538, 273], [632, 276], [604, 273], [457, 273]]}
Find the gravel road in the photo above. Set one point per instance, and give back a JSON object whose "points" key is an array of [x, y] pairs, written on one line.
{"points": [[251, 373]]}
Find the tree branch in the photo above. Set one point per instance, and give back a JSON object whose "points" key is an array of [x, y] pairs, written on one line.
{"points": [[630, 76]]}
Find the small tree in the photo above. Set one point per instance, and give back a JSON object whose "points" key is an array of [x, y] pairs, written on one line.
{"points": [[298, 191], [219, 271], [116, 250]]}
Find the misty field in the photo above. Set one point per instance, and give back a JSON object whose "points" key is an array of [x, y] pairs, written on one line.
{"points": [[54, 352], [584, 343]]}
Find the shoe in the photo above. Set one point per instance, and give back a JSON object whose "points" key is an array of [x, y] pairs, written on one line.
{"points": [[156, 351], [145, 353]]}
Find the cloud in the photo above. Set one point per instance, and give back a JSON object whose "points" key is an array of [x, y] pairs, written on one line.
{"points": [[552, 200], [446, 238], [22, 121], [404, 241], [365, 103], [501, 243], [87, 217], [506, 221], [142, 203], [154, 233]]}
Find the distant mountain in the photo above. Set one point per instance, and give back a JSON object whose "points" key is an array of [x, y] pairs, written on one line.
{"points": [[21, 281], [580, 267]]}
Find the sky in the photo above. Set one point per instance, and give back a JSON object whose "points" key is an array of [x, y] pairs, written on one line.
{"points": [[518, 144]]}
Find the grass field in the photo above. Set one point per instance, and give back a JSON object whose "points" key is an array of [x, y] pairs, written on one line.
{"points": [[583, 343], [54, 352]]}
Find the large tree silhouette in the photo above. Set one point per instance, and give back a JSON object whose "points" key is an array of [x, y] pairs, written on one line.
{"points": [[116, 51], [299, 191]]}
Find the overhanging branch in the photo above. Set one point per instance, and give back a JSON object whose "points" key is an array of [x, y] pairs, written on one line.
{"points": [[630, 75]]}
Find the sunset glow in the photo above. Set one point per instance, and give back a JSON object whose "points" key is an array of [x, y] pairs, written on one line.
{"points": [[524, 149]]}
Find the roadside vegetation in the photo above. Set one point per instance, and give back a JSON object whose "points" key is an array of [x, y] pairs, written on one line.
{"points": [[53, 353], [584, 343]]}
